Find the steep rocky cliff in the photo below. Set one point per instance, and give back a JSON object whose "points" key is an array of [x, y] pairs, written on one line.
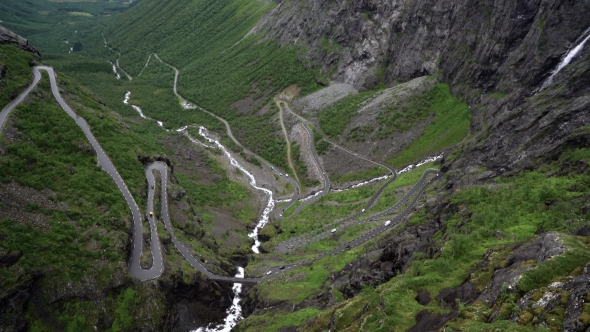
{"points": [[9, 37], [495, 55]]}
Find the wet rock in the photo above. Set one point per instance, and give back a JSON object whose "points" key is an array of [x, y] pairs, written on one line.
{"points": [[540, 250], [426, 321], [9, 37], [9, 257], [579, 288], [582, 231], [423, 297], [466, 293]]}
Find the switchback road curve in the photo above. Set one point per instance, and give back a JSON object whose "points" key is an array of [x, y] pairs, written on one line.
{"points": [[187, 105], [156, 251]]}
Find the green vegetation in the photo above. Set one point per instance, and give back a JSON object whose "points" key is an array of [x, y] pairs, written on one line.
{"points": [[124, 312], [259, 134], [335, 118], [271, 322], [48, 24], [79, 218], [400, 118], [449, 127], [71, 221], [475, 226], [359, 133], [18, 72], [122, 143], [218, 62], [222, 193], [320, 144]]}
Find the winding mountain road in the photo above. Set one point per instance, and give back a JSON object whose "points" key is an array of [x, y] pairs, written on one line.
{"points": [[187, 105], [157, 267], [306, 123]]}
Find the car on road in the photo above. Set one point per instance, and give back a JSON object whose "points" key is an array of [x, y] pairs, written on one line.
{"points": [[268, 273], [363, 210], [287, 175], [348, 246], [387, 223], [333, 230], [152, 186], [151, 213], [282, 267]]}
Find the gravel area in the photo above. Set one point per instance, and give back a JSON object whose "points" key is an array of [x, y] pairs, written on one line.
{"points": [[323, 98], [300, 135], [382, 149]]}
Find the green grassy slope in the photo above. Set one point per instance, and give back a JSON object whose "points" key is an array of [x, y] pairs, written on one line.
{"points": [[205, 40], [67, 224], [48, 24], [491, 218]]}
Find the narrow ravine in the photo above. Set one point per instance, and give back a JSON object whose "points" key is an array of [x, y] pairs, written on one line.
{"points": [[264, 218], [234, 312]]}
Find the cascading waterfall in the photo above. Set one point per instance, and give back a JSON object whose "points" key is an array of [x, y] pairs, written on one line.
{"points": [[271, 203], [567, 59], [115, 70], [136, 108], [234, 313], [139, 110]]}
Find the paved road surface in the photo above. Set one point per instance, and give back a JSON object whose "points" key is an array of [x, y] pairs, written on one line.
{"points": [[157, 266], [187, 105]]}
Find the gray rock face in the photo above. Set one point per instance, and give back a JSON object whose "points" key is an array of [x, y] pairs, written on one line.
{"points": [[349, 38], [542, 249], [392, 257], [9, 37], [483, 44], [324, 98], [505, 47]]}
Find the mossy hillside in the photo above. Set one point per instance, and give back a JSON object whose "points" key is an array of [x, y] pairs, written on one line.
{"points": [[49, 24], [448, 127], [274, 321], [18, 74], [121, 142], [83, 243], [472, 228], [335, 118], [88, 240], [219, 63]]}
